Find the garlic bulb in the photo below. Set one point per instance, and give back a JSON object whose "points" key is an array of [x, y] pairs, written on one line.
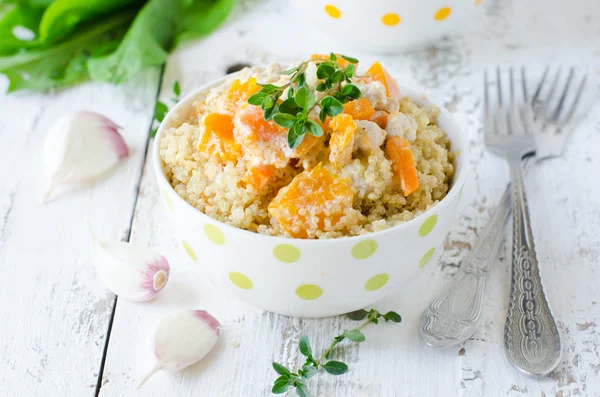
{"points": [[182, 339], [135, 273], [81, 146]]}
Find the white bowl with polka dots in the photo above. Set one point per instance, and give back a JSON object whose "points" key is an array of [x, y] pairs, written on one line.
{"points": [[311, 278], [390, 25]]}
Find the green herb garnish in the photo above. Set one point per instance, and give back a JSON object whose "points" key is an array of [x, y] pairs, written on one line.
{"points": [[292, 113], [312, 366], [161, 109]]}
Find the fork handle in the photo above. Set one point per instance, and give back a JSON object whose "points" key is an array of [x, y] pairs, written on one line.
{"points": [[531, 338]]}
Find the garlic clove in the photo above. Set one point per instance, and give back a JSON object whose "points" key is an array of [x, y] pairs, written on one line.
{"points": [[132, 272], [182, 339], [81, 146]]}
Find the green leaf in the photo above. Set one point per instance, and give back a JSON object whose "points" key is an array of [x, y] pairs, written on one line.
{"points": [[66, 63], [332, 106], [321, 87], [269, 88], [18, 15], [160, 111], [304, 98], [337, 77], [323, 114], [301, 80], [281, 386], [257, 99], [296, 135], [29, 3], [290, 93], [333, 57], [314, 129], [309, 371], [351, 91], [289, 106], [350, 59], [176, 88], [355, 335], [335, 367], [325, 70], [392, 316], [63, 16], [280, 369], [270, 112], [287, 121], [145, 43], [200, 17], [358, 315], [153, 132], [350, 70], [302, 390], [304, 346]]}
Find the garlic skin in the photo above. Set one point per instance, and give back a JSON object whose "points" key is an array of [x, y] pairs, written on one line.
{"points": [[182, 339], [132, 272], [81, 146]]}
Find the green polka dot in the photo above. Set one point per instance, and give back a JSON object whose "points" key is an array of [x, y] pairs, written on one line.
{"points": [[309, 291], [167, 199], [427, 257], [428, 225], [364, 249], [377, 281], [286, 253], [240, 280], [189, 250], [214, 234]]}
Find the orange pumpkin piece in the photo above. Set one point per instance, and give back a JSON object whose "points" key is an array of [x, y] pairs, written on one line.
{"points": [[398, 151], [314, 199], [217, 138], [340, 61], [342, 139], [259, 176], [238, 93], [379, 73], [359, 109], [380, 117], [265, 140]]}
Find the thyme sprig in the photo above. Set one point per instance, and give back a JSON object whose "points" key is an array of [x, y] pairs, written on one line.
{"points": [[313, 365], [334, 81]]}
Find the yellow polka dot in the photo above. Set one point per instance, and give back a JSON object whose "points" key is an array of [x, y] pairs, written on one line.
{"points": [[333, 11], [309, 291], [390, 19], [286, 253], [377, 281], [477, 2], [189, 250], [428, 225], [214, 234], [364, 249], [427, 257], [240, 280], [167, 199], [442, 13]]}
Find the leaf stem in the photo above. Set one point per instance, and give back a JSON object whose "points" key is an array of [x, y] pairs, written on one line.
{"points": [[339, 338]]}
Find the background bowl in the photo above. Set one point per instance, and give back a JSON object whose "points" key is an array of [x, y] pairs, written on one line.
{"points": [[311, 278], [390, 25]]}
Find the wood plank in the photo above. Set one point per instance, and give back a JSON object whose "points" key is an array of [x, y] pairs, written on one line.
{"points": [[56, 311]]}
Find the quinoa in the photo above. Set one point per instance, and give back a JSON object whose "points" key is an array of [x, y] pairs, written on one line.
{"points": [[216, 188]]}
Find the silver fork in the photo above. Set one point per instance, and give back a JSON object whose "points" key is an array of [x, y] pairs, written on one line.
{"points": [[531, 337], [454, 316]]}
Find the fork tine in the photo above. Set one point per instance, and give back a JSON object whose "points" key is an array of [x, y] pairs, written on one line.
{"points": [[524, 84], [538, 90], [563, 96], [499, 86], [512, 85], [576, 100], [545, 106]]}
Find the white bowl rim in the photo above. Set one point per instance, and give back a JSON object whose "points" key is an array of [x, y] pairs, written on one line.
{"points": [[458, 180]]}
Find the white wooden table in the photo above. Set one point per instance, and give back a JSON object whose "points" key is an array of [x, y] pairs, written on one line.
{"points": [[63, 334]]}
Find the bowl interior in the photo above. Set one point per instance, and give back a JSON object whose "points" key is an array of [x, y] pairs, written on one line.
{"points": [[459, 143]]}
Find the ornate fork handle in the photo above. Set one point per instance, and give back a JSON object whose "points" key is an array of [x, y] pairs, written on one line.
{"points": [[531, 337], [454, 316]]}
